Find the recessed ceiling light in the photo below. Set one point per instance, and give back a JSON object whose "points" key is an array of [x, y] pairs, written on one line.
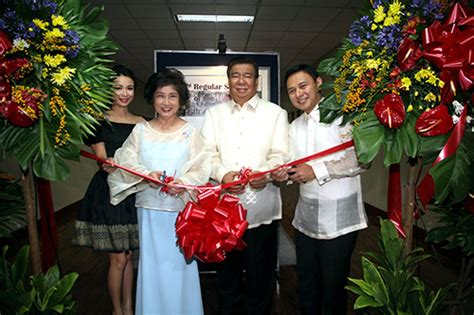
{"points": [[214, 18]]}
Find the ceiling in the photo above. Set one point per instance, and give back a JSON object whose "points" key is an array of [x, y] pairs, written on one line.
{"points": [[301, 31]]}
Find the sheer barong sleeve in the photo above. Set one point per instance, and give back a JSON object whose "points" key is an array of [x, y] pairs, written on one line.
{"points": [[123, 183]]}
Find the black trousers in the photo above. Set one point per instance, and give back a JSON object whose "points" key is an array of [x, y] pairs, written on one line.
{"points": [[259, 261], [322, 269]]}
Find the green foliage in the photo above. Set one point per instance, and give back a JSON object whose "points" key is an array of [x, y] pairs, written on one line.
{"points": [[58, 133], [389, 285], [456, 228], [12, 205], [38, 294]]}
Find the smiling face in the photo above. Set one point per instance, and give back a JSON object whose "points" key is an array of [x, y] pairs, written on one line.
{"points": [[303, 91], [166, 101], [242, 83], [124, 90]]}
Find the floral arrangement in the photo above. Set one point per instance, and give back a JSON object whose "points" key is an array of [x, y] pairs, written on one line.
{"points": [[54, 81], [404, 77]]}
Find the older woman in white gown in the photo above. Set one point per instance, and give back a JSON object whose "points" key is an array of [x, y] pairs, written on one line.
{"points": [[166, 145]]}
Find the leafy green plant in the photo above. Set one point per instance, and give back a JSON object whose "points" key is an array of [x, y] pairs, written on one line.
{"points": [[38, 294], [12, 205], [389, 285], [456, 231]]}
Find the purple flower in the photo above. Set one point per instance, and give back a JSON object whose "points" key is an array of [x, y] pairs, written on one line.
{"points": [[389, 37], [360, 29], [71, 39], [427, 9], [38, 5]]}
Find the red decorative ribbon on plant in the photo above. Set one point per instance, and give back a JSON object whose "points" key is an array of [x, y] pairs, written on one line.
{"points": [[426, 188], [394, 199], [450, 46]]}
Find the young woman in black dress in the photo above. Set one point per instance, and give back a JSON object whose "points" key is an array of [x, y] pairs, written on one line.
{"points": [[99, 224]]}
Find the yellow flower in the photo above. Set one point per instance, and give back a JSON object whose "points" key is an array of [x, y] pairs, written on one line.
{"points": [[373, 27], [379, 14], [41, 24], [53, 34], [440, 84], [409, 108], [423, 74], [54, 61], [370, 54], [58, 20], [372, 63], [416, 93], [395, 8], [62, 75], [405, 84], [433, 80], [391, 20], [430, 97]]}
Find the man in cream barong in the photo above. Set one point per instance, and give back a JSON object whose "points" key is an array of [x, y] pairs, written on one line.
{"points": [[248, 132]]}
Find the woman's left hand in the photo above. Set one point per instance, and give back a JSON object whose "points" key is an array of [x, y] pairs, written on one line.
{"points": [[175, 191]]}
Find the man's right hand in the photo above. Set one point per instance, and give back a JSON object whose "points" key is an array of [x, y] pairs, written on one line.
{"points": [[230, 177]]}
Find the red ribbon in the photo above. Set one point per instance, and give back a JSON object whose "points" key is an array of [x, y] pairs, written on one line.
{"points": [[210, 228], [427, 187], [49, 232], [394, 200], [450, 46], [245, 175]]}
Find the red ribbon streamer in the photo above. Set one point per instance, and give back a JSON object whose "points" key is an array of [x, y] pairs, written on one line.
{"points": [[426, 188], [49, 232], [394, 200], [244, 178]]}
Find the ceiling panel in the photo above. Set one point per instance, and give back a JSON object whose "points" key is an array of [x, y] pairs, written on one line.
{"points": [[279, 12], [156, 24], [150, 11], [162, 34], [272, 25], [192, 9], [301, 30], [236, 9]]}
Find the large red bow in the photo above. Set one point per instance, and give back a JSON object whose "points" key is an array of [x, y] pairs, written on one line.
{"points": [[450, 46], [210, 228]]}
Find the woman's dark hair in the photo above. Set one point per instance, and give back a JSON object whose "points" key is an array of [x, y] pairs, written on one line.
{"points": [[122, 70], [242, 61], [301, 67], [164, 78]]}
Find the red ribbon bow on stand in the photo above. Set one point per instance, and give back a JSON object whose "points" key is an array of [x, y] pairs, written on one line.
{"points": [[450, 46]]}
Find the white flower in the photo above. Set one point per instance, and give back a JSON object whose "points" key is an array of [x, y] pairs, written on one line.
{"points": [[20, 44], [458, 108]]}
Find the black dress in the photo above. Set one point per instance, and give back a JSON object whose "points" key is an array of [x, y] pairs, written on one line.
{"points": [[100, 225]]}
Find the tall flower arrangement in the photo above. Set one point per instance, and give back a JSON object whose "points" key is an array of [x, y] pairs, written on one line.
{"points": [[404, 77], [54, 80]]}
